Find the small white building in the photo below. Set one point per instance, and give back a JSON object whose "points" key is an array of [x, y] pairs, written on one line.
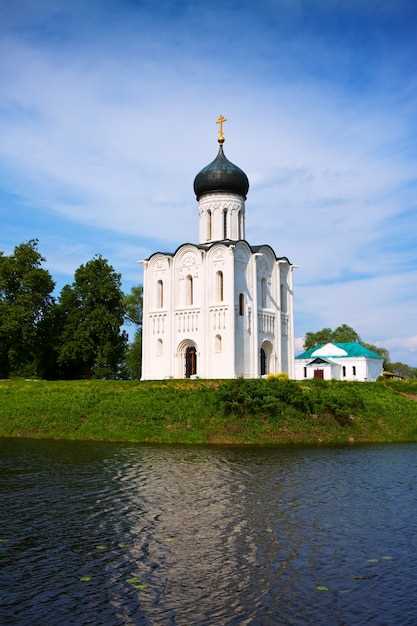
{"points": [[219, 308], [339, 361]]}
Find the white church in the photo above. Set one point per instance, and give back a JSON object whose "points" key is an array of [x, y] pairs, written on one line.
{"points": [[219, 308]]}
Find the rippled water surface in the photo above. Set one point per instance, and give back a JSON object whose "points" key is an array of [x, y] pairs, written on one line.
{"points": [[122, 534]]}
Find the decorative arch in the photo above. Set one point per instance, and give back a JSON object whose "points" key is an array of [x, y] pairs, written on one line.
{"points": [[265, 358], [187, 359]]}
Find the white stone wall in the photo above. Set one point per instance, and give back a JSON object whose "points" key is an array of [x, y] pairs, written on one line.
{"points": [[212, 208], [366, 369], [227, 343]]}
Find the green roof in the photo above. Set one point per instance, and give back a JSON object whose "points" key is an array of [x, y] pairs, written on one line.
{"points": [[352, 349]]}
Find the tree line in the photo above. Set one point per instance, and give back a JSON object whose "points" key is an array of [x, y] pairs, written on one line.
{"points": [[79, 334]]}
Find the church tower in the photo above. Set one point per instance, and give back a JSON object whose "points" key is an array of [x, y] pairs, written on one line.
{"points": [[220, 308]]}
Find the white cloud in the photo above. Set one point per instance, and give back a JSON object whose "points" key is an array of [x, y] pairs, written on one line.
{"points": [[113, 140]]}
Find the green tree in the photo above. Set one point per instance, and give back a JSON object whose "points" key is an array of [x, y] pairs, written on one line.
{"points": [[92, 342], [321, 336], [133, 314], [133, 302], [402, 369], [25, 300], [343, 334]]}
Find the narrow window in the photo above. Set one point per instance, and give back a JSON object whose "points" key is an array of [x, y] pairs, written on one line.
{"points": [[218, 343], [225, 224], [159, 347], [160, 294], [263, 292], [283, 298], [219, 286], [241, 304], [208, 225], [189, 287], [344, 371], [239, 225], [354, 370], [305, 372]]}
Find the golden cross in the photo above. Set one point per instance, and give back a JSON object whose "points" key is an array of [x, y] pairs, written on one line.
{"points": [[220, 121]]}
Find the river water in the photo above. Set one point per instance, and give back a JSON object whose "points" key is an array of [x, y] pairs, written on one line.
{"points": [[125, 534]]}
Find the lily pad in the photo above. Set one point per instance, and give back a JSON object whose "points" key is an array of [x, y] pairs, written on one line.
{"points": [[373, 560], [139, 586], [386, 558], [135, 582], [101, 547], [322, 588], [122, 545], [85, 579]]}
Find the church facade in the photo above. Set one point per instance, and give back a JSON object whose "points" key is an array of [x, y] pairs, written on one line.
{"points": [[219, 308]]}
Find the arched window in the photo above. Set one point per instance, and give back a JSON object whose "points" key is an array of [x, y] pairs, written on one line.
{"points": [[283, 298], [241, 304], [218, 343], [159, 347], [189, 290], [224, 223], [219, 286], [208, 225], [263, 292], [239, 225], [160, 294]]}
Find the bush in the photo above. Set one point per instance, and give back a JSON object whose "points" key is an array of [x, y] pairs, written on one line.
{"points": [[280, 376], [263, 397]]}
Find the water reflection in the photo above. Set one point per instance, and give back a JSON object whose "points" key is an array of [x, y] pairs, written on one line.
{"points": [[206, 536]]}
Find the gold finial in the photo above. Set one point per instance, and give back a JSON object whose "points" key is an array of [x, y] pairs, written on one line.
{"points": [[220, 136]]}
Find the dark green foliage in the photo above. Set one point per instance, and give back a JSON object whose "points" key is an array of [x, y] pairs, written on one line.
{"points": [[133, 303], [134, 357], [283, 397], [402, 369], [343, 333], [92, 343], [25, 300]]}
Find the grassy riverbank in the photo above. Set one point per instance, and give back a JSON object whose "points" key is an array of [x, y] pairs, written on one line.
{"points": [[238, 412]]}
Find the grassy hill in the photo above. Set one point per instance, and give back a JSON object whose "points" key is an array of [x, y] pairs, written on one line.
{"points": [[238, 412]]}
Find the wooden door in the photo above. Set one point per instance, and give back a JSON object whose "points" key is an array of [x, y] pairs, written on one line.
{"points": [[190, 361], [319, 374]]}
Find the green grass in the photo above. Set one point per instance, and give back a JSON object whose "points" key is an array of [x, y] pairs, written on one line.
{"points": [[197, 412]]}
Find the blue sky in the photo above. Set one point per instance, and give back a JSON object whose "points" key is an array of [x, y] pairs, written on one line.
{"points": [[107, 112]]}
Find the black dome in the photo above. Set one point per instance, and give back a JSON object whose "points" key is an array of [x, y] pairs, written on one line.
{"points": [[221, 175]]}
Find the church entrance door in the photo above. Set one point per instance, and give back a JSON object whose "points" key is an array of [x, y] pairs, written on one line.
{"points": [[319, 374], [190, 361], [263, 362]]}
